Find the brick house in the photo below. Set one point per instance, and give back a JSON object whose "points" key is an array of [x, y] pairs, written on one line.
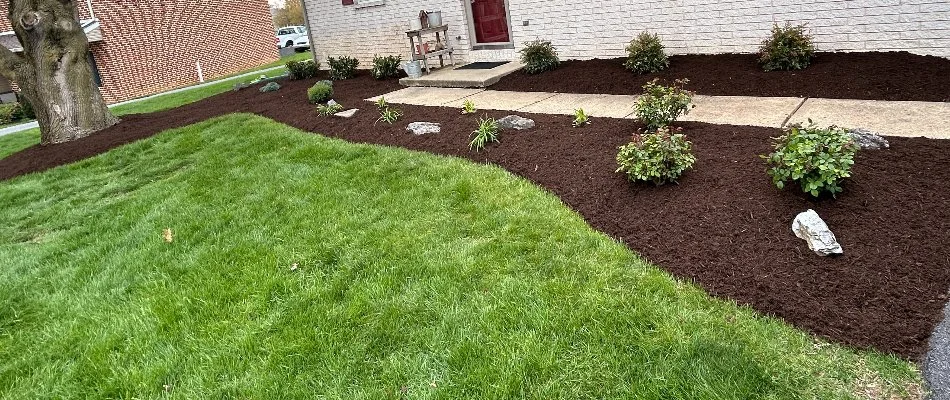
{"points": [[493, 30], [145, 47]]}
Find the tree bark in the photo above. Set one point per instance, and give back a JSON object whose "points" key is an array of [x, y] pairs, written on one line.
{"points": [[53, 72]]}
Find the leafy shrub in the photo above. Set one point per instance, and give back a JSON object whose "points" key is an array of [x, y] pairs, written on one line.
{"points": [[381, 103], [788, 48], [306, 69], [661, 105], [487, 132], [270, 87], [327, 110], [818, 159], [386, 67], [539, 56], [343, 67], [659, 157], [580, 118], [645, 54], [26, 108], [320, 92], [468, 107], [10, 112]]}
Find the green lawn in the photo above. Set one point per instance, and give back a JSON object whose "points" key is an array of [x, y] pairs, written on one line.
{"points": [[418, 277], [15, 142]]}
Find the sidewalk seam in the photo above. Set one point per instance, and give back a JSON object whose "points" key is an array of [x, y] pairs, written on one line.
{"points": [[792, 114], [529, 105]]}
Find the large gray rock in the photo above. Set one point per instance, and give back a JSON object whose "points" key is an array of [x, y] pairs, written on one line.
{"points": [[868, 140], [515, 122], [347, 114], [424, 128], [810, 227]]}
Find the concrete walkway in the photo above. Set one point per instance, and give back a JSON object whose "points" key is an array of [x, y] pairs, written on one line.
{"points": [[30, 125], [894, 118]]}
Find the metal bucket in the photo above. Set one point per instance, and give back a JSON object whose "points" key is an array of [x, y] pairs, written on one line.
{"points": [[435, 19], [413, 69]]}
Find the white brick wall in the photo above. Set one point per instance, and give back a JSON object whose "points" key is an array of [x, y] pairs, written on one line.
{"points": [[602, 28]]}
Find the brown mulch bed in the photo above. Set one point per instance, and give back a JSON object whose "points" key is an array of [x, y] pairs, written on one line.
{"points": [[724, 226], [866, 76]]}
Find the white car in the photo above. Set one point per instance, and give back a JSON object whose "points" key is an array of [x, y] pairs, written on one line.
{"points": [[293, 36]]}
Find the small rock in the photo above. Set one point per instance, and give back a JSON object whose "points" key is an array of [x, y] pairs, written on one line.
{"points": [[347, 114], [810, 227], [241, 85], [868, 140], [332, 103], [515, 122], [424, 128]]}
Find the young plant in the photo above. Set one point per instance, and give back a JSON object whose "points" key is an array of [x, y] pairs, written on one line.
{"points": [[343, 67], [645, 54], [539, 56], [327, 110], [818, 159], [659, 157], [389, 115], [487, 132], [788, 48], [468, 107], [306, 69], [320, 92], [580, 118], [381, 103], [386, 67], [660, 106], [270, 87]]}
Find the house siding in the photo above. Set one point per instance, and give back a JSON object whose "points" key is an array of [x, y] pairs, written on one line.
{"points": [[151, 46], [602, 28]]}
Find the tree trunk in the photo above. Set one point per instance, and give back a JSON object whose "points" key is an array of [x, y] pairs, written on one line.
{"points": [[53, 72]]}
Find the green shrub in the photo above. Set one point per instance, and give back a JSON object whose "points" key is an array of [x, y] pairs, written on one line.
{"points": [[389, 115], [487, 132], [386, 67], [10, 112], [270, 87], [343, 67], [659, 157], [660, 106], [539, 56], [818, 159], [306, 69], [788, 48], [320, 92], [645, 54], [27, 108], [580, 118], [468, 107], [327, 110]]}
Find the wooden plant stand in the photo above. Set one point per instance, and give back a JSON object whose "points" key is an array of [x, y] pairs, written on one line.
{"points": [[420, 54]]}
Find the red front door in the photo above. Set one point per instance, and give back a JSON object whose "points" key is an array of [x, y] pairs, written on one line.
{"points": [[491, 21]]}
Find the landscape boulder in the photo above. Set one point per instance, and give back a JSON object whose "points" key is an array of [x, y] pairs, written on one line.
{"points": [[810, 227], [347, 114], [868, 140], [424, 128], [515, 122]]}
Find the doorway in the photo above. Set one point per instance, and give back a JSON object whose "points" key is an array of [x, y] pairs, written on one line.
{"points": [[489, 23]]}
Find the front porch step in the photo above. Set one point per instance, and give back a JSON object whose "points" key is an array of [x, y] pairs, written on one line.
{"points": [[450, 77]]}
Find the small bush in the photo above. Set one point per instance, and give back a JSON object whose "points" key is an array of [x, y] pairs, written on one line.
{"points": [[487, 132], [659, 157], [389, 115], [306, 69], [26, 108], [327, 110], [661, 105], [343, 67], [320, 92], [580, 118], [788, 48], [645, 54], [539, 56], [386, 67], [468, 107], [270, 87], [818, 159], [10, 112]]}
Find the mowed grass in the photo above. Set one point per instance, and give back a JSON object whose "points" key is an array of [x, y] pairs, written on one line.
{"points": [[308, 267], [15, 142]]}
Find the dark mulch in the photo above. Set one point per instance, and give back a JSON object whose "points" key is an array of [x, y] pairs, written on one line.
{"points": [[867, 76], [724, 226]]}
